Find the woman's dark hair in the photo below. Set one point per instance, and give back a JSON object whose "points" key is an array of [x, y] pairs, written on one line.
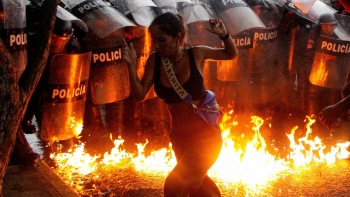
{"points": [[171, 24]]}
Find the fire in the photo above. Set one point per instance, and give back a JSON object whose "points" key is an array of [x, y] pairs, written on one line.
{"points": [[251, 164], [308, 150]]}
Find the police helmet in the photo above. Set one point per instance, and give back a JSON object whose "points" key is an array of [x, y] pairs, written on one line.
{"points": [[63, 28], [326, 19]]}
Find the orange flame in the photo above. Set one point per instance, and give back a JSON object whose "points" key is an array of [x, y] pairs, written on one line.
{"points": [[251, 165]]}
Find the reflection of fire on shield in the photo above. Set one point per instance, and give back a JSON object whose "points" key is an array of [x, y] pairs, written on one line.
{"points": [[237, 69], [331, 66], [233, 13], [98, 16], [15, 33], [66, 94], [142, 46], [303, 9], [109, 78], [197, 15]]}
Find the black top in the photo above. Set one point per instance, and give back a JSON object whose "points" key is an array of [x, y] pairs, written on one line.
{"points": [[194, 85]]}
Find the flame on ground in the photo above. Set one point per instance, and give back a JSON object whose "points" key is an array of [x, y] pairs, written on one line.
{"points": [[251, 165]]}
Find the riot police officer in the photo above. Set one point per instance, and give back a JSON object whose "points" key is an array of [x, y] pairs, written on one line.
{"points": [[325, 91], [61, 35]]}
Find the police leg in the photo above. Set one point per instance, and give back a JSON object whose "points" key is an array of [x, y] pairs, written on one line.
{"points": [[114, 118], [22, 152], [303, 74], [285, 87], [93, 126], [262, 85], [244, 96], [229, 100], [314, 99], [34, 108], [138, 111]]}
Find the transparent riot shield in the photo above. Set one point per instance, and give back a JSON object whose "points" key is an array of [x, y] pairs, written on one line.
{"points": [[66, 94], [343, 21], [237, 69], [304, 5], [343, 26], [142, 11], [15, 33], [331, 66], [302, 8], [232, 13], [98, 16], [194, 12], [197, 15], [65, 15], [109, 78], [164, 3]]}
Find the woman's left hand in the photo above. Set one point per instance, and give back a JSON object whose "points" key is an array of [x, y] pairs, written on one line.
{"points": [[217, 27], [129, 54]]}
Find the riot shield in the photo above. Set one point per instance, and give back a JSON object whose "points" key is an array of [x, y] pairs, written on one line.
{"points": [[343, 26], [98, 16], [164, 3], [331, 67], [317, 9], [65, 15], [15, 33], [343, 21], [109, 78], [198, 35], [304, 5], [197, 16], [194, 12], [232, 13], [142, 11], [66, 94], [265, 38], [237, 69]]}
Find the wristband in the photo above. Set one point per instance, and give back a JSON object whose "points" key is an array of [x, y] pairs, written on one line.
{"points": [[225, 37]]}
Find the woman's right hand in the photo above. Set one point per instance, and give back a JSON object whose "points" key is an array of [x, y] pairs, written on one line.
{"points": [[129, 54]]}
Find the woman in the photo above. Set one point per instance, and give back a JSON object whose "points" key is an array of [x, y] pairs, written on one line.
{"points": [[196, 144]]}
